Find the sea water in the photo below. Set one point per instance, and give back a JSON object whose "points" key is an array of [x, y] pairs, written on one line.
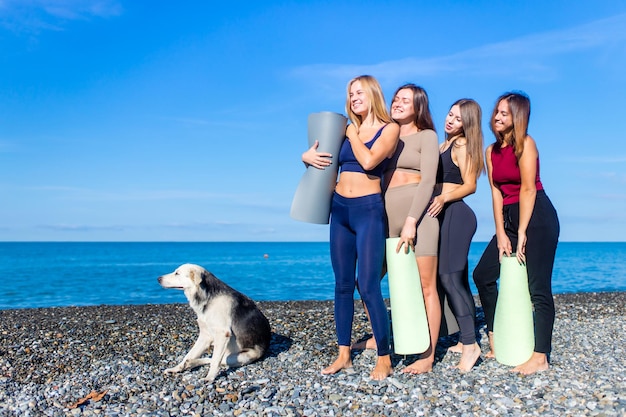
{"points": [[48, 274]]}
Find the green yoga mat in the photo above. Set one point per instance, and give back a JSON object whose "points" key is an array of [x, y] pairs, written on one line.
{"points": [[313, 197], [513, 330], [408, 312]]}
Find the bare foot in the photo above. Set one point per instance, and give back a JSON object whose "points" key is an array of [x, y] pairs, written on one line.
{"points": [[469, 356], [420, 366], [537, 362], [365, 344], [343, 361], [492, 352], [382, 369], [458, 348], [337, 366]]}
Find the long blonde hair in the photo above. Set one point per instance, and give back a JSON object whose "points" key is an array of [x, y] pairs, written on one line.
{"points": [[519, 107], [471, 116], [374, 93]]}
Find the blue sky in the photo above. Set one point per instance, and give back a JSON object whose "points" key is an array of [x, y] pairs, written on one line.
{"points": [[154, 121]]}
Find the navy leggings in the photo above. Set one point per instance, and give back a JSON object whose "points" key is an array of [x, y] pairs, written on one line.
{"points": [[542, 237], [357, 242], [458, 225]]}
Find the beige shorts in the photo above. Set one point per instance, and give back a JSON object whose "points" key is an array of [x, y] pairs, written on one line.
{"points": [[397, 204]]}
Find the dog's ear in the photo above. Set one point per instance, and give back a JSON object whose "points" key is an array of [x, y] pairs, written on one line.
{"points": [[195, 276]]}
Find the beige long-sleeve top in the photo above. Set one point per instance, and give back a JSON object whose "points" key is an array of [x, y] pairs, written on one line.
{"points": [[418, 153]]}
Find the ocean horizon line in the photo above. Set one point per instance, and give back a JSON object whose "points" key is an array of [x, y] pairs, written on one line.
{"points": [[48, 273], [357, 301]]}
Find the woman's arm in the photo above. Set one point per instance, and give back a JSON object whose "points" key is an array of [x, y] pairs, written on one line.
{"points": [[527, 194], [463, 190], [383, 148], [429, 161], [319, 160], [504, 243]]}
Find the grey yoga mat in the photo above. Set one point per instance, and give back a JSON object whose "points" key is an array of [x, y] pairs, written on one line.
{"points": [[311, 202]]}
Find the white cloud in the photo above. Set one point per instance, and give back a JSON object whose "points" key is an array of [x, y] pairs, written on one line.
{"points": [[614, 159], [615, 196], [528, 53], [79, 227], [39, 15], [87, 194], [78, 9]]}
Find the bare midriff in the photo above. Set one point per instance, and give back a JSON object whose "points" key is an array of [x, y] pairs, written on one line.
{"points": [[356, 184], [399, 177], [446, 187]]}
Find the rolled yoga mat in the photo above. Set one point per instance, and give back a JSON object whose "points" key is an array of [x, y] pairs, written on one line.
{"points": [[408, 312], [513, 330], [312, 200]]}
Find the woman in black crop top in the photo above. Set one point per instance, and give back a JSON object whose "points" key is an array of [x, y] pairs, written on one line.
{"points": [[357, 221], [461, 163]]}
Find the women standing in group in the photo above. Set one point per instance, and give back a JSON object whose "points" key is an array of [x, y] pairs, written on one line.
{"points": [[526, 222], [409, 184], [461, 163], [357, 224]]}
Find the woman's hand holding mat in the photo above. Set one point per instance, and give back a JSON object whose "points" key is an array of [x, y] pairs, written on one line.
{"points": [[311, 202]]}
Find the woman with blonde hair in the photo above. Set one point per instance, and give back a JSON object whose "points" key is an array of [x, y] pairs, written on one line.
{"points": [[357, 223], [526, 223], [461, 165]]}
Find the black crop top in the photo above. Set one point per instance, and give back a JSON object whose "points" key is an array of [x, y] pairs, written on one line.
{"points": [[448, 171], [348, 162]]}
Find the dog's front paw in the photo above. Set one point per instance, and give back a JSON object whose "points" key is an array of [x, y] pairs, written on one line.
{"points": [[209, 378], [211, 375], [174, 370]]}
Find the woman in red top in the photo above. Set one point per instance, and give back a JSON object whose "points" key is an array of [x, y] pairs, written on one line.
{"points": [[526, 223]]}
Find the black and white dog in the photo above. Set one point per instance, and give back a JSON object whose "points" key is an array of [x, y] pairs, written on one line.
{"points": [[228, 320]]}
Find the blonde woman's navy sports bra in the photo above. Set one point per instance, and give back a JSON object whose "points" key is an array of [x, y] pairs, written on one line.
{"points": [[348, 162]]}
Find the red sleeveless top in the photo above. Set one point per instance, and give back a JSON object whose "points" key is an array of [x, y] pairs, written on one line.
{"points": [[506, 174]]}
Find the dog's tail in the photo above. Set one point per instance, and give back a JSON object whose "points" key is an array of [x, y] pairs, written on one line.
{"points": [[245, 356]]}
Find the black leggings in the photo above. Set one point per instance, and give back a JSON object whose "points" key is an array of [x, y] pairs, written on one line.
{"points": [[458, 225], [542, 237]]}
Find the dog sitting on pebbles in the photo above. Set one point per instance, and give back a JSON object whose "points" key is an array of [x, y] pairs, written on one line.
{"points": [[227, 319]]}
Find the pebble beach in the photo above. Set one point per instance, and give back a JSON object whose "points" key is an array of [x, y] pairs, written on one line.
{"points": [[109, 361]]}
